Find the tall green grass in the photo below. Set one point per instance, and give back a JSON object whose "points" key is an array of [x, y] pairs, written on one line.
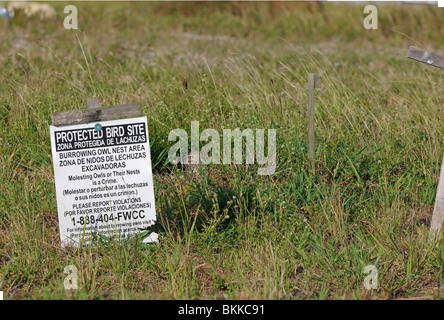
{"points": [[225, 232]]}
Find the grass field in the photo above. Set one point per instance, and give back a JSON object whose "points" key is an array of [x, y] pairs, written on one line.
{"points": [[228, 233]]}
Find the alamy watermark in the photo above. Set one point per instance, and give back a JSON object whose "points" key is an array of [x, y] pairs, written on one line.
{"points": [[211, 152], [371, 281], [71, 20], [371, 21], [70, 282]]}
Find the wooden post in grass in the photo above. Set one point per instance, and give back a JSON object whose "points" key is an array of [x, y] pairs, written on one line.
{"points": [[92, 102], [437, 61], [314, 81], [95, 112]]}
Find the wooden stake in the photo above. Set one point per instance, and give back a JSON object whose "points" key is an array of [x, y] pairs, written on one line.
{"points": [[92, 103], [96, 113], [438, 210], [313, 82], [426, 57], [437, 61]]}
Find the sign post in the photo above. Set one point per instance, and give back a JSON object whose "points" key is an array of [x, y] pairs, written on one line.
{"points": [[314, 81], [102, 173], [437, 61]]}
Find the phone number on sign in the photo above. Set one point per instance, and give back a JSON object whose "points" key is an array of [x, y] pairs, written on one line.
{"points": [[118, 216]]}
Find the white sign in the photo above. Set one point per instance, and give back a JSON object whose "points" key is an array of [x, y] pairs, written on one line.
{"points": [[103, 180]]}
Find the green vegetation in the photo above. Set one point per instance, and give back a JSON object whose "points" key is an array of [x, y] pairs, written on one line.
{"points": [[226, 232]]}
